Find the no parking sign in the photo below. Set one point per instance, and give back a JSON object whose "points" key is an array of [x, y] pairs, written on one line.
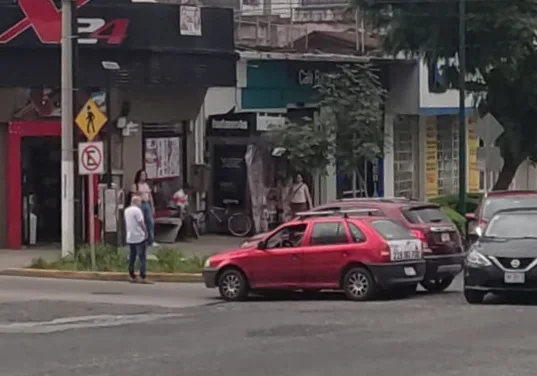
{"points": [[90, 158]]}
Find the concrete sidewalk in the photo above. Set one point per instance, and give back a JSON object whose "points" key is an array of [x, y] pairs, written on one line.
{"points": [[205, 246]]}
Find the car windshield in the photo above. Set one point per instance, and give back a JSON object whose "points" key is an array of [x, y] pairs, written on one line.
{"points": [[494, 204], [426, 214], [513, 226]]}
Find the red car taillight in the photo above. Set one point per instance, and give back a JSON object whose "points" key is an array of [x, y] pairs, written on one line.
{"points": [[421, 236], [385, 252]]}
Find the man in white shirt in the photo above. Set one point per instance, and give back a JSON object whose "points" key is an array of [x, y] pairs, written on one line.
{"points": [[136, 237]]}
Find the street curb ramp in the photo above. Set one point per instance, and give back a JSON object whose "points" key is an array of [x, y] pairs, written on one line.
{"points": [[100, 276]]}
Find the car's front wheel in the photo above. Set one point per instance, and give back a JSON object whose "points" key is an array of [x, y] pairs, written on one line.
{"points": [[437, 285], [359, 284], [233, 285], [474, 297]]}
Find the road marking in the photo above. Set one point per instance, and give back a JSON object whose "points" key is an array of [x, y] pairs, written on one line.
{"points": [[80, 322]]}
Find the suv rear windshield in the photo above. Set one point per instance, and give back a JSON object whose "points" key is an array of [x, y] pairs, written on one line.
{"points": [[425, 214], [494, 204], [390, 230]]}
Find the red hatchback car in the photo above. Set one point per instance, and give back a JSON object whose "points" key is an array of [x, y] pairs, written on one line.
{"points": [[360, 256]]}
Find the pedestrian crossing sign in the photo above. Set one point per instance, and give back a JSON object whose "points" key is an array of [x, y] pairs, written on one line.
{"points": [[90, 119]]}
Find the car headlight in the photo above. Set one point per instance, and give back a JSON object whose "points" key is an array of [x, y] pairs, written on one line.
{"points": [[477, 259], [207, 263]]}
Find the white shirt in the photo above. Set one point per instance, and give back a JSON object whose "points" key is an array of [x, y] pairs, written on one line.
{"points": [[299, 194], [135, 232]]}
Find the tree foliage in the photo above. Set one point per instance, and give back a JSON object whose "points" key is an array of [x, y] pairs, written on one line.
{"points": [[349, 124], [501, 52]]}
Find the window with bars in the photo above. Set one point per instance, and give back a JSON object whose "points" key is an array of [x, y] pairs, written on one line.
{"points": [[448, 154], [405, 148]]}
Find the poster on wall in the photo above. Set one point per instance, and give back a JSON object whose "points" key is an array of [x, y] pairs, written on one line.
{"points": [[190, 20], [473, 145], [431, 158], [162, 157]]}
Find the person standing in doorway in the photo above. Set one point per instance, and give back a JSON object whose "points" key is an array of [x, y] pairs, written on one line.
{"points": [[141, 188], [299, 197], [136, 238]]}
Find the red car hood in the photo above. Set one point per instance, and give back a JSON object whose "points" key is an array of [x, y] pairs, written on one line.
{"points": [[234, 252]]}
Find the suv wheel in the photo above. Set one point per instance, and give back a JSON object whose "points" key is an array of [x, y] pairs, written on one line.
{"points": [[437, 285], [474, 297], [359, 285], [232, 285]]}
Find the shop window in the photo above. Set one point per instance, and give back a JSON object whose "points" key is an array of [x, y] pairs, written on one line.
{"points": [[448, 155], [405, 148]]}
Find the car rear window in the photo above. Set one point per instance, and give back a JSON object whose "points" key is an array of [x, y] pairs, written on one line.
{"points": [[390, 230], [494, 204], [425, 214]]}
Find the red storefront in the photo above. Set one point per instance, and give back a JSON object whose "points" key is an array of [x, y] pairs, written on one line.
{"points": [[167, 57]]}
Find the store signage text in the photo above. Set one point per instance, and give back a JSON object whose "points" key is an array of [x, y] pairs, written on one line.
{"points": [[311, 77], [45, 19], [229, 124]]}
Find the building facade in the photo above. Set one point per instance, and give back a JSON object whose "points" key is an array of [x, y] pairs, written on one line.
{"points": [[163, 77]]}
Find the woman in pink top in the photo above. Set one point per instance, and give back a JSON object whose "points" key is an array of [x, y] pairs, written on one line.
{"points": [[141, 188]]}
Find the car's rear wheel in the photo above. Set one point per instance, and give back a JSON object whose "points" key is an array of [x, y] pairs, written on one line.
{"points": [[474, 297], [359, 284], [437, 285], [233, 285]]}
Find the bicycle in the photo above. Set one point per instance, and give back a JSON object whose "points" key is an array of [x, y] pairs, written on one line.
{"points": [[238, 224]]}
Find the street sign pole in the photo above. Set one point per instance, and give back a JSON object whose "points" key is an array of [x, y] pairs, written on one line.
{"points": [[90, 163], [67, 164], [462, 106], [91, 199]]}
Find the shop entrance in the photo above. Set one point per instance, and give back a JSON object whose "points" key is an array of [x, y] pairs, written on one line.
{"points": [[41, 190], [34, 189]]}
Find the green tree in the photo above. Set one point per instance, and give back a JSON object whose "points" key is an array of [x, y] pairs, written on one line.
{"points": [[500, 51], [348, 127]]}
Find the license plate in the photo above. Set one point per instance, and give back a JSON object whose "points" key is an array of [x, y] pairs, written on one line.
{"points": [[445, 237], [514, 277], [410, 271]]}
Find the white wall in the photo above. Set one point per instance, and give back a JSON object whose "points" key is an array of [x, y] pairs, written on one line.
{"points": [[428, 100], [404, 88]]}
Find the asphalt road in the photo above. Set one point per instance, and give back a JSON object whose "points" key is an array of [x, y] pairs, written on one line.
{"points": [[192, 333]]}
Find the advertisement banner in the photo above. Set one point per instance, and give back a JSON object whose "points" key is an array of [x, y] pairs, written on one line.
{"points": [[162, 157], [473, 145], [431, 158]]}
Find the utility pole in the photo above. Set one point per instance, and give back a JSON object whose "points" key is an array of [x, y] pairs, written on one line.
{"points": [[462, 106], [67, 166]]}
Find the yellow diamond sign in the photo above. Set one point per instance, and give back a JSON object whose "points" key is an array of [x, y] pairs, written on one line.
{"points": [[90, 119]]}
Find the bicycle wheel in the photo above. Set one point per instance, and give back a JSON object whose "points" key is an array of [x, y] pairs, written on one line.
{"points": [[239, 224]]}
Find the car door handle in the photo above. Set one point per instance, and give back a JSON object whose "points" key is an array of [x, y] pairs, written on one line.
{"points": [[345, 254], [294, 257]]}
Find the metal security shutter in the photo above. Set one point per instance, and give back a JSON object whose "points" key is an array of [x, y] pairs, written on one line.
{"points": [[448, 155], [406, 156]]}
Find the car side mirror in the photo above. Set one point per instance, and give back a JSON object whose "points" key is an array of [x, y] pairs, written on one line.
{"points": [[470, 216], [261, 245]]}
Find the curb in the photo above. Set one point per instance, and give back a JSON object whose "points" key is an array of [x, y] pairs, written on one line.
{"points": [[100, 276]]}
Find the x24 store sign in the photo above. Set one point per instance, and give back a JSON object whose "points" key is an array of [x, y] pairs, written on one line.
{"points": [[45, 20]]}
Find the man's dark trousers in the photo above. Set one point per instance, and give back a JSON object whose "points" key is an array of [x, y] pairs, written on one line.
{"points": [[139, 250]]}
